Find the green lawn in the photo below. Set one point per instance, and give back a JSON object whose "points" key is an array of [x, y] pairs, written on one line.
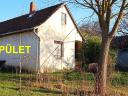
{"points": [[10, 83]]}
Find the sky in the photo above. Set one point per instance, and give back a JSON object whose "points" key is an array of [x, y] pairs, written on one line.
{"points": [[13, 8]]}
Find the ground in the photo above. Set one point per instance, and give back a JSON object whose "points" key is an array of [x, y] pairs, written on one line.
{"points": [[56, 84]]}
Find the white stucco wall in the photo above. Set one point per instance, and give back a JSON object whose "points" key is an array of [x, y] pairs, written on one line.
{"points": [[52, 30], [28, 61]]}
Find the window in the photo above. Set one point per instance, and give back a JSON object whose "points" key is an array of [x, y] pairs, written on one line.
{"points": [[59, 52], [63, 18]]}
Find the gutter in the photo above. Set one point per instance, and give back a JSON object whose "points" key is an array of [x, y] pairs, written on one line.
{"points": [[17, 31]]}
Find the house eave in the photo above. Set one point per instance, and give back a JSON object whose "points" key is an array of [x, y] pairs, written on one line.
{"points": [[18, 31]]}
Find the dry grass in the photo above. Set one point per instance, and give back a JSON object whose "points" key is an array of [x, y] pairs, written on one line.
{"points": [[58, 84]]}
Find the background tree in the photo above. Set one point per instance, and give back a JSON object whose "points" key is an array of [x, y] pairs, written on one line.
{"points": [[123, 28], [92, 33], [109, 13], [91, 28]]}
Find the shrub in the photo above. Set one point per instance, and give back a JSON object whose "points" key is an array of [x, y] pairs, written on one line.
{"points": [[73, 76], [92, 49], [121, 79]]}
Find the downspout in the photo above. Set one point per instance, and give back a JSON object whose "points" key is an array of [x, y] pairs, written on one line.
{"points": [[20, 64], [38, 50]]}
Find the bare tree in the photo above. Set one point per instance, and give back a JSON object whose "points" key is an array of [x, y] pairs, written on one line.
{"points": [[123, 28], [92, 28], [109, 13]]}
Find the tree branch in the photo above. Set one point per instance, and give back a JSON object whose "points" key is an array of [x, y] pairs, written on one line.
{"points": [[108, 15], [115, 27], [88, 5], [112, 2]]}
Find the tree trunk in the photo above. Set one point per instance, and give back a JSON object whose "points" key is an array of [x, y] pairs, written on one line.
{"points": [[101, 77]]}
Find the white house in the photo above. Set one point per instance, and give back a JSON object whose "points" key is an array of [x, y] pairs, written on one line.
{"points": [[51, 33]]}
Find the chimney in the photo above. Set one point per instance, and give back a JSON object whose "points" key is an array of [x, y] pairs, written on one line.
{"points": [[32, 7]]}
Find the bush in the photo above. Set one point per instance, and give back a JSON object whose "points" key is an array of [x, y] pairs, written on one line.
{"points": [[78, 76], [85, 67], [73, 76], [121, 79], [92, 49]]}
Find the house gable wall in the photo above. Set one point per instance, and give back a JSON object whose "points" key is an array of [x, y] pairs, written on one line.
{"points": [[52, 30]]}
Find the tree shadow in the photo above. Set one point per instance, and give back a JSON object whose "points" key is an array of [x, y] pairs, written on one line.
{"points": [[12, 88]]}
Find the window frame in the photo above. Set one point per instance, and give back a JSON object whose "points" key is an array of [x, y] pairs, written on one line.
{"points": [[61, 44], [63, 18]]}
